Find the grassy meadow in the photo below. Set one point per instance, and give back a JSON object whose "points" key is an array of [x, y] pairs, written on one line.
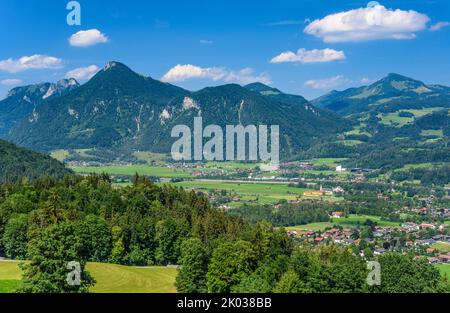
{"points": [[444, 269], [130, 170], [260, 192], [111, 278], [350, 221], [394, 119], [10, 276]]}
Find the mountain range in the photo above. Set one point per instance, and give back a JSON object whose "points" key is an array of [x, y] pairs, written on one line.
{"points": [[21, 102], [392, 93], [119, 112], [120, 109]]}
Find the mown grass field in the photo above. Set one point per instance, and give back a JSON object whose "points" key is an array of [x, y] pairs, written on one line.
{"points": [[332, 162], [152, 158], [350, 143], [432, 132], [443, 247], [60, 155], [427, 166], [111, 278], [350, 221], [392, 119], [159, 170], [232, 165], [357, 130], [444, 269], [354, 219], [312, 226], [262, 192], [10, 276], [130, 170]]}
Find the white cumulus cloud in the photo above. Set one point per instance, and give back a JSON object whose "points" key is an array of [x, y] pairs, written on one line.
{"points": [[24, 63], [309, 56], [86, 38], [328, 83], [439, 26], [188, 71], [370, 23], [82, 73], [10, 82]]}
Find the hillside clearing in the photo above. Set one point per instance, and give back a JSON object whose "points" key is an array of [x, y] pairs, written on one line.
{"points": [[111, 278], [351, 221]]}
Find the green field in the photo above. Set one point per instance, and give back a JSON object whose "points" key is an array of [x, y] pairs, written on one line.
{"points": [[151, 158], [161, 170], [130, 170], [251, 192], [10, 276], [357, 130], [111, 278], [232, 165], [60, 155], [312, 226], [408, 167], [350, 221], [393, 119], [432, 132], [326, 173], [122, 279], [354, 219], [350, 143], [331, 162], [443, 247], [445, 269], [263, 192], [420, 165]]}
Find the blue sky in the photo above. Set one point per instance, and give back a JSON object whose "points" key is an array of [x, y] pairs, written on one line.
{"points": [[345, 43]]}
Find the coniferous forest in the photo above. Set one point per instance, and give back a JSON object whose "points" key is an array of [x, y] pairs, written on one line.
{"points": [[51, 223]]}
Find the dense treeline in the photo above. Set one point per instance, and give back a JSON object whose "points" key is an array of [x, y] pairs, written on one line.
{"points": [[286, 214], [86, 219], [435, 176], [396, 155], [393, 147], [54, 223], [274, 265], [18, 163], [390, 146], [139, 225]]}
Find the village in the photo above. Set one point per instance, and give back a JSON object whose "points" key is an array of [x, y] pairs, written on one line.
{"points": [[424, 240]]}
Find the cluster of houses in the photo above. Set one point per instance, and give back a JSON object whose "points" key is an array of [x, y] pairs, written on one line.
{"points": [[433, 212], [441, 258], [335, 235], [272, 178], [323, 192], [412, 227], [382, 238], [287, 167]]}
